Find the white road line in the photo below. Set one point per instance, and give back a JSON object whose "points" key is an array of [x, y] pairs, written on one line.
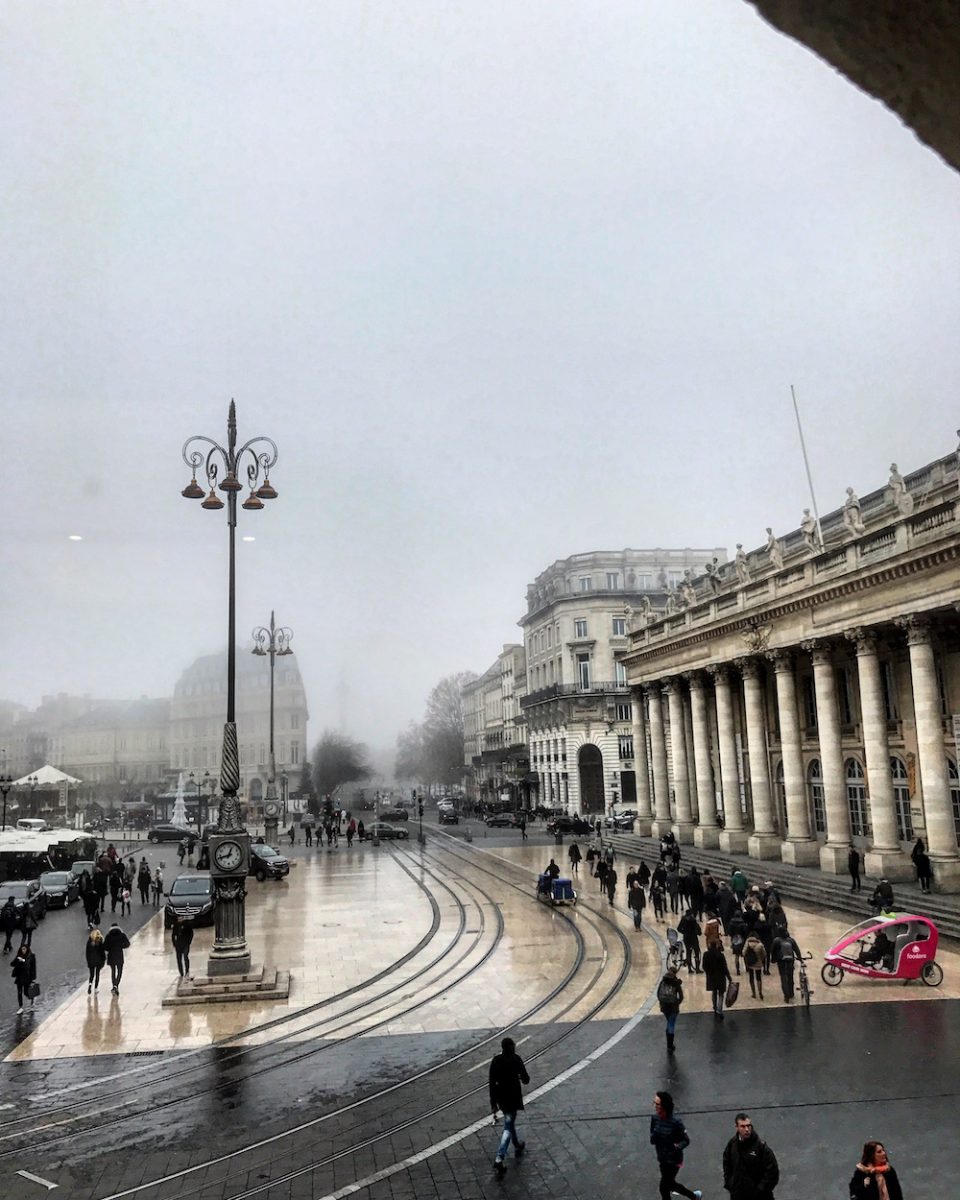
{"points": [[36, 1179]]}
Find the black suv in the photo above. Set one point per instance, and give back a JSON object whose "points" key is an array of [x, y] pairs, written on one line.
{"points": [[567, 824], [395, 814], [191, 898], [266, 863]]}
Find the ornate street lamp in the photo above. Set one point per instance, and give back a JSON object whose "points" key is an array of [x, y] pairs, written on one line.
{"points": [[272, 642], [6, 783], [230, 845]]}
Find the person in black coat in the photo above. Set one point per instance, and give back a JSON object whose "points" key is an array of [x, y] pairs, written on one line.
{"points": [[8, 923], [874, 1178], [924, 871], [23, 968], [28, 923], [507, 1073], [182, 936], [96, 957], [115, 942], [716, 977], [853, 866], [750, 1168]]}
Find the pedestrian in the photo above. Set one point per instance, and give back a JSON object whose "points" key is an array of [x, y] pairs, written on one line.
{"points": [[610, 856], [765, 934], [750, 1170], [636, 902], [182, 937], [754, 959], [591, 858], [610, 883], [777, 918], [575, 856], [24, 972], [716, 977], [924, 872], [507, 1073], [739, 885], [853, 866], [600, 873], [712, 934], [689, 929], [918, 849], [351, 832], [726, 905], [361, 834], [658, 899], [643, 874], [182, 850], [695, 892], [882, 898], [116, 887], [8, 923], [125, 909], [670, 997], [91, 907], [96, 959], [873, 1177], [143, 881], [307, 833], [28, 923], [785, 952], [598, 825], [112, 855], [673, 889], [156, 886], [100, 886], [292, 834], [115, 942], [670, 1138], [523, 827]]}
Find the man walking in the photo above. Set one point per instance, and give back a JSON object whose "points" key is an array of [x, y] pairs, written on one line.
{"points": [[182, 936], [750, 1170], [689, 929], [523, 827], [115, 941], [8, 923], [784, 953], [853, 866], [610, 882], [507, 1073], [716, 977], [670, 997], [636, 902]]}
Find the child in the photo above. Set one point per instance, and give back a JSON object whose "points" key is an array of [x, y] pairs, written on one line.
{"points": [[125, 901]]}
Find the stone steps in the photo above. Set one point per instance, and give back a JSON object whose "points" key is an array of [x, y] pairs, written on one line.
{"points": [[806, 884], [269, 983]]}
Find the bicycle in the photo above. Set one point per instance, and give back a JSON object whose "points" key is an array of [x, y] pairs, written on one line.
{"points": [[676, 953], [805, 990]]}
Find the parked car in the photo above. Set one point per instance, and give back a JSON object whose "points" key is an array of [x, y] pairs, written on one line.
{"points": [[568, 824], [381, 829], [82, 866], [26, 893], [501, 820], [267, 863], [395, 814], [191, 898], [448, 816], [621, 820], [62, 888], [169, 833]]}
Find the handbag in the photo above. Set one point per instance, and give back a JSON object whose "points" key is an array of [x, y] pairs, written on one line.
{"points": [[33, 989], [733, 991]]}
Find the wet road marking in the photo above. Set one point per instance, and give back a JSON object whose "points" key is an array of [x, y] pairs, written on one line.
{"points": [[37, 1179]]}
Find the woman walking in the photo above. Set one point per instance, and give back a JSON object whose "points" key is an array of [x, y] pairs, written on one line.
{"points": [[96, 959], [873, 1177], [24, 972], [669, 1136], [716, 977], [574, 855]]}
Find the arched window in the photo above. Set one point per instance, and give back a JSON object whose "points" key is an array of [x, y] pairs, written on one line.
{"points": [[857, 799], [818, 804], [954, 794], [901, 798]]}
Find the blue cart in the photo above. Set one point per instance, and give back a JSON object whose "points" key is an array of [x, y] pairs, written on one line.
{"points": [[555, 891]]}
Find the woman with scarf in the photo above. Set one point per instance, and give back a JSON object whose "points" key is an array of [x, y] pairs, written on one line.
{"points": [[874, 1178]]}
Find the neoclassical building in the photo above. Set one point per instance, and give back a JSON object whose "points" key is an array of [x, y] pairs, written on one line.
{"points": [[577, 708], [495, 743], [804, 698]]}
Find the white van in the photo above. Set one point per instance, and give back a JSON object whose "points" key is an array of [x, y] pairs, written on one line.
{"points": [[32, 825]]}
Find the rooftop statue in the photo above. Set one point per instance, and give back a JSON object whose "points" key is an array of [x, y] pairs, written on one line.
{"points": [[808, 527], [901, 498], [851, 513], [774, 550], [742, 566]]}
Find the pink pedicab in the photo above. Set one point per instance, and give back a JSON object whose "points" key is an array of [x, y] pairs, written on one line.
{"points": [[888, 946]]}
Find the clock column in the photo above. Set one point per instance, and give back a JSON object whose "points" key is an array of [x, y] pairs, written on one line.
{"points": [[229, 864]]}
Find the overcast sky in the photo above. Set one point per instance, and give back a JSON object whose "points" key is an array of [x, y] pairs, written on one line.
{"points": [[506, 281]]}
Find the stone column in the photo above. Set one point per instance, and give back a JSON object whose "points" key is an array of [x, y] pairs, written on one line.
{"points": [[764, 842], [658, 743], [800, 847], [691, 763], [833, 854], [934, 783], [884, 858], [707, 834], [643, 824], [683, 827], [733, 839]]}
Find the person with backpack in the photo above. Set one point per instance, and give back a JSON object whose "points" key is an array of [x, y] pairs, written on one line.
{"points": [[670, 1138], [738, 933], [754, 958], [670, 997], [114, 943], [750, 1169], [785, 953], [507, 1073], [636, 902], [689, 929]]}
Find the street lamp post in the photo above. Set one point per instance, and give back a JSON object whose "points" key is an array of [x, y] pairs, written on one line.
{"points": [[6, 783], [275, 643], [32, 782], [230, 845], [284, 793]]}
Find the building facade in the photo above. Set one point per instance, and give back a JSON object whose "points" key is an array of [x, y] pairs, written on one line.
{"points": [[806, 697], [578, 708], [121, 743], [198, 711], [495, 746]]}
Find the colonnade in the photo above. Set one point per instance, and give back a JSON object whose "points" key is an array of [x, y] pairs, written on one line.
{"points": [[706, 762]]}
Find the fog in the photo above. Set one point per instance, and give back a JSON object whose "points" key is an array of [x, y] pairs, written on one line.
{"points": [[504, 281]]}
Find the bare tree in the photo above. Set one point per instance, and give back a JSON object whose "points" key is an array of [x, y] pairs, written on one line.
{"points": [[338, 760], [432, 751]]}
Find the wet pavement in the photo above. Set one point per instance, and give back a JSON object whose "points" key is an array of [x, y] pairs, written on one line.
{"points": [[407, 964]]}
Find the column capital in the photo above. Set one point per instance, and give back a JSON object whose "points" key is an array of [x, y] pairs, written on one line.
{"points": [[749, 668], [782, 659], [671, 685], [651, 689], [695, 680], [820, 650], [864, 638], [718, 672], [916, 627]]}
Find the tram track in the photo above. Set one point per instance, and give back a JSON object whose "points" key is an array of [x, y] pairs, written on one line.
{"points": [[242, 1160]]}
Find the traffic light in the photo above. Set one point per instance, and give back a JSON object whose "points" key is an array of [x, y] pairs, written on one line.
{"points": [[420, 807]]}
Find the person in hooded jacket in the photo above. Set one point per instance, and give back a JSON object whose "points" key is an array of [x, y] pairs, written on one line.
{"points": [[115, 942], [874, 1178], [23, 968], [507, 1074], [669, 1136]]}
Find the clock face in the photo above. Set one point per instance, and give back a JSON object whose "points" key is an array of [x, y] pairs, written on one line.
{"points": [[228, 856], [271, 808]]}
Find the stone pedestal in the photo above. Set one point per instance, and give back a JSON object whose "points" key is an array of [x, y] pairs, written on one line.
{"points": [[706, 837], [763, 845], [946, 874], [230, 954], [659, 827], [888, 864], [800, 853], [683, 831], [267, 983], [642, 826], [271, 831], [733, 841], [834, 859]]}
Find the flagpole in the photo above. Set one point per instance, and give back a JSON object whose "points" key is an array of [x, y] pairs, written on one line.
{"points": [[806, 464]]}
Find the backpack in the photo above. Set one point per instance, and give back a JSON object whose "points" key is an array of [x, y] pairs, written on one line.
{"points": [[668, 993], [750, 957], [786, 950]]}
